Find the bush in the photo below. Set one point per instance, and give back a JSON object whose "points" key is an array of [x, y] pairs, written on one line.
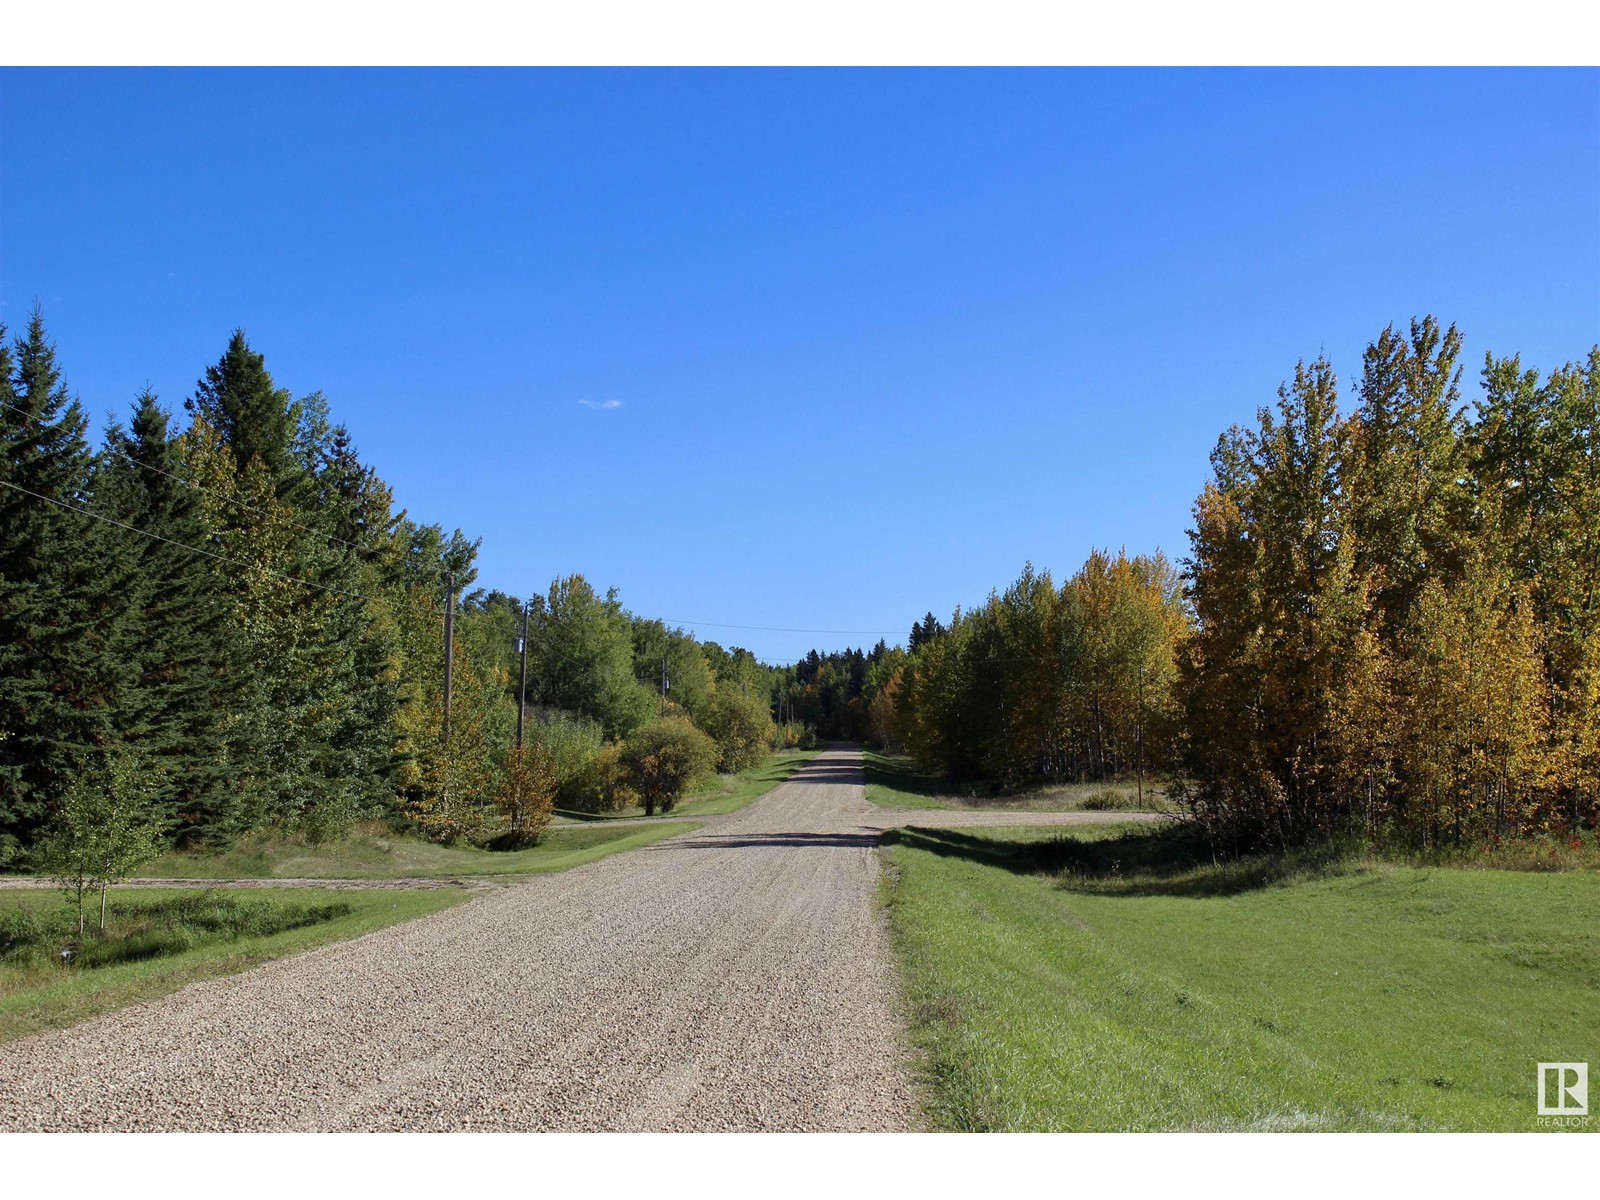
{"points": [[742, 728], [602, 786], [792, 735], [527, 794], [571, 741], [1105, 801], [663, 758]]}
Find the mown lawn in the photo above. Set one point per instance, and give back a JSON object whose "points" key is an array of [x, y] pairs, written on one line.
{"points": [[38, 995], [728, 793], [1057, 985], [894, 781], [374, 854]]}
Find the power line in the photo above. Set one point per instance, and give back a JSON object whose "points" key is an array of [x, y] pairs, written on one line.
{"points": [[279, 517], [783, 629], [189, 483], [249, 566], [235, 562]]}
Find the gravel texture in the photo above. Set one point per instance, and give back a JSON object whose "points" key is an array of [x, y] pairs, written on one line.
{"points": [[735, 977]]}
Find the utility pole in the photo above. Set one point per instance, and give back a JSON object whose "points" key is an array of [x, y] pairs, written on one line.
{"points": [[1005, 735], [522, 684], [664, 685], [1141, 735], [449, 643]]}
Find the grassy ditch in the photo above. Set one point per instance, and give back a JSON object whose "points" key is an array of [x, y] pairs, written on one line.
{"points": [[158, 941], [1119, 979], [375, 853]]}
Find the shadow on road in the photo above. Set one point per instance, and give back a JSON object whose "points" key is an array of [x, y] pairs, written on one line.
{"points": [[865, 839], [828, 772]]}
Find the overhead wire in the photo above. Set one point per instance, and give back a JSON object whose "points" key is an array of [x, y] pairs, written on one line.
{"points": [[236, 562], [199, 487], [279, 517]]}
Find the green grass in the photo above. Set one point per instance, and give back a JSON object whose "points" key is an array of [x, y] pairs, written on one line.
{"points": [[894, 781], [374, 854], [43, 995], [728, 793], [1107, 982]]}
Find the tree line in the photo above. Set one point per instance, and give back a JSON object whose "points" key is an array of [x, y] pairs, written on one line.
{"points": [[236, 621], [1387, 625]]}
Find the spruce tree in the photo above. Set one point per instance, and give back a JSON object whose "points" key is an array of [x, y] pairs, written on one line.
{"points": [[180, 639], [303, 725], [57, 674], [255, 419]]}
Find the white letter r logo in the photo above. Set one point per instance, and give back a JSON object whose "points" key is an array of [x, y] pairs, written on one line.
{"points": [[1572, 1083]]}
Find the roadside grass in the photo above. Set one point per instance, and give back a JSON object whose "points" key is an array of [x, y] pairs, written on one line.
{"points": [[725, 794], [894, 781], [372, 852], [1117, 979], [191, 936]]}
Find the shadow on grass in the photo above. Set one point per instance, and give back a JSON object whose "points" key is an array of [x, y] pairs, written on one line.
{"points": [[576, 814], [901, 775], [1168, 861]]}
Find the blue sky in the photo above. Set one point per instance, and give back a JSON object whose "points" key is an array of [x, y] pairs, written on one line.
{"points": [[870, 340]]}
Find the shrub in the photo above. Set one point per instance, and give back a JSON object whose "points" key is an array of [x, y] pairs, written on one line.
{"points": [[102, 831], [527, 794], [742, 728], [602, 786], [663, 758], [1105, 801], [571, 741], [792, 735]]}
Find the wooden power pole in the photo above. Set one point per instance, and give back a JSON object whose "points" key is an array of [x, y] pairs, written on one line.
{"points": [[522, 683], [449, 643]]}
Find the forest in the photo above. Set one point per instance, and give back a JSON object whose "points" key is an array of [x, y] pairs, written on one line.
{"points": [[1387, 627], [232, 627]]}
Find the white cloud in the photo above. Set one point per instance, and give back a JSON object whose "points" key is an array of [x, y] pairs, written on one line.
{"points": [[601, 404]]}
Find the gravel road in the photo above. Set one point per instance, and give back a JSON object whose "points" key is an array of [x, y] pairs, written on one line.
{"points": [[735, 977]]}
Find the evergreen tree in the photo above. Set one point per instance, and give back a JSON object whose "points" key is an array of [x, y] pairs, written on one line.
{"points": [[180, 643], [924, 631], [311, 724], [255, 419], [58, 670]]}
